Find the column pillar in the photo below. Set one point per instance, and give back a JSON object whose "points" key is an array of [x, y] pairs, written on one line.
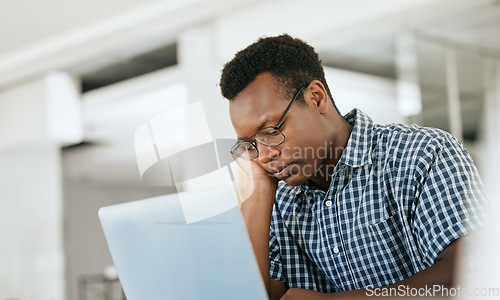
{"points": [[453, 93], [36, 119], [198, 60], [407, 81]]}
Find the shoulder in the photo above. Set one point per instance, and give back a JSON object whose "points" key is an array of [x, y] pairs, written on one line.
{"points": [[410, 136], [413, 144], [413, 138]]}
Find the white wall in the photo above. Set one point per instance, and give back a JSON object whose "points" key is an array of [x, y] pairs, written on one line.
{"points": [[374, 95]]}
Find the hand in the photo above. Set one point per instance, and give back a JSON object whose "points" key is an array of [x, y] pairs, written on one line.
{"points": [[249, 175], [303, 294], [253, 170]]}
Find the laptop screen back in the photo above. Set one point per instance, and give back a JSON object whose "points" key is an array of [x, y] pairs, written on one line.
{"points": [[158, 255]]}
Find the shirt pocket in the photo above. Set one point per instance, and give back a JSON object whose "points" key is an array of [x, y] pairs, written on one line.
{"points": [[383, 245], [372, 212]]}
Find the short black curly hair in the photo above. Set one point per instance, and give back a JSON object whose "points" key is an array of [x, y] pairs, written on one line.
{"points": [[290, 60]]}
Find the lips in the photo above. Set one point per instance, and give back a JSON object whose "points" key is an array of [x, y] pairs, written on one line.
{"points": [[283, 172]]}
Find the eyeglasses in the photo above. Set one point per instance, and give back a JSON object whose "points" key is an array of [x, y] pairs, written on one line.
{"points": [[269, 136]]}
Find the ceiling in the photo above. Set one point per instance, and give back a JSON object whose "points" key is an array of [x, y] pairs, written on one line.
{"points": [[472, 26], [24, 23]]}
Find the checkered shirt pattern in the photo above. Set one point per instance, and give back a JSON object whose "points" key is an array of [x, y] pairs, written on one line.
{"points": [[398, 196]]}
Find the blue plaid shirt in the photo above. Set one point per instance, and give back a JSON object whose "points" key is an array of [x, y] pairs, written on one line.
{"points": [[398, 196]]}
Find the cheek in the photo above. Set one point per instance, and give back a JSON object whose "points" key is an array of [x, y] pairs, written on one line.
{"points": [[312, 148], [314, 140], [304, 140], [302, 149]]}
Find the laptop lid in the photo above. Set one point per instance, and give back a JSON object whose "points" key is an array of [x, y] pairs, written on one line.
{"points": [[158, 255]]}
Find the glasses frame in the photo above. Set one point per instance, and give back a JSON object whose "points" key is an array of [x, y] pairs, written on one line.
{"points": [[252, 140]]}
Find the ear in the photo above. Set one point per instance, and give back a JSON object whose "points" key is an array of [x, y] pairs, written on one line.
{"points": [[317, 96]]}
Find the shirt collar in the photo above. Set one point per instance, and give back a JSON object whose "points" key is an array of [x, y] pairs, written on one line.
{"points": [[357, 153]]}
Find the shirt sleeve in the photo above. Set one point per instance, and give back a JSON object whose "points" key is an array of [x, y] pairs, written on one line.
{"points": [[452, 201], [275, 265]]}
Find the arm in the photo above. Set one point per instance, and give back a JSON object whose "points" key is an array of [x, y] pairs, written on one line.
{"points": [[258, 191], [441, 273]]}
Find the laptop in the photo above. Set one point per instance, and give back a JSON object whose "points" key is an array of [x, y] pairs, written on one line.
{"points": [[159, 255]]}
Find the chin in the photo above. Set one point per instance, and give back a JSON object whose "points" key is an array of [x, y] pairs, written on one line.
{"points": [[295, 180]]}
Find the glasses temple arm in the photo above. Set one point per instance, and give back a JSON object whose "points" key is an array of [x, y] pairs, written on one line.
{"points": [[288, 108]]}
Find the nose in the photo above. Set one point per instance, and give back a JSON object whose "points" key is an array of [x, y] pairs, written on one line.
{"points": [[267, 153]]}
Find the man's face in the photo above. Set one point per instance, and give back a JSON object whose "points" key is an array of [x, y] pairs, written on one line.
{"points": [[306, 142]]}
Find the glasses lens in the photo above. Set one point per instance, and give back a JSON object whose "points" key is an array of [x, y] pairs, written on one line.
{"points": [[270, 137], [245, 150]]}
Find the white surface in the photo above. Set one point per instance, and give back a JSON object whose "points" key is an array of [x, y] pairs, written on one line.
{"points": [[47, 107], [64, 109], [17, 123], [31, 214]]}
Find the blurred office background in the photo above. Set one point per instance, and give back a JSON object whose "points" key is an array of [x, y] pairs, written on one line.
{"points": [[77, 78]]}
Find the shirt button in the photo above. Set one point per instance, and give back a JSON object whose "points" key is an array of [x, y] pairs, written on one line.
{"points": [[328, 203], [336, 250]]}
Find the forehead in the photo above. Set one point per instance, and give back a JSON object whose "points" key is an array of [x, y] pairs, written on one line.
{"points": [[258, 105]]}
